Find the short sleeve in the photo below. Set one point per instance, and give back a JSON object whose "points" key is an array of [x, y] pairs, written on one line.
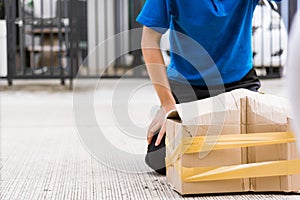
{"points": [[155, 15]]}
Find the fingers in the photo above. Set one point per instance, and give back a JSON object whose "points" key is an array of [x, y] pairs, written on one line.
{"points": [[150, 134], [157, 123], [149, 137], [152, 129], [161, 134]]}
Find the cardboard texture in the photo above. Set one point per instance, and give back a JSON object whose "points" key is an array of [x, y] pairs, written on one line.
{"points": [[234, 113], [266, 113]]}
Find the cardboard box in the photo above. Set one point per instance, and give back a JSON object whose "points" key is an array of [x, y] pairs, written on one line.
{"points": [[266, 113], [216, 121]]}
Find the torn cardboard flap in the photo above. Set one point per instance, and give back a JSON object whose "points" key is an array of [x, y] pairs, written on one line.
{"points": [[212, 116], [210, 111], [267, 109], [220, 108]]}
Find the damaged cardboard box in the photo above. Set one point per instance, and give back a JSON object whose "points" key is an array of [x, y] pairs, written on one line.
{"points": [[232, 143]]}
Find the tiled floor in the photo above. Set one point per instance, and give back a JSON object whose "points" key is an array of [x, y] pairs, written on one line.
{"points": [[87, 144]]}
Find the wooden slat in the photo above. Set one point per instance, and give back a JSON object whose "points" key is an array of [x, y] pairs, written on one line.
{"points": [[46, 48], [37, 31]]}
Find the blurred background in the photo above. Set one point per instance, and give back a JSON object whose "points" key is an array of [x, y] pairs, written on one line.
{"points": [[43, 48], [50, 39]]}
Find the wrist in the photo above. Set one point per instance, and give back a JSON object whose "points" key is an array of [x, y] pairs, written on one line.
{"points": [[168, 101], [168, 107]]}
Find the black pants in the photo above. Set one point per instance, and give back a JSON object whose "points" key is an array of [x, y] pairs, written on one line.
{"points": [[182, 93]]}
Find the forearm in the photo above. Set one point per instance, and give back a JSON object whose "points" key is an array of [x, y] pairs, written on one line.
{"points": [[156, 66], [158, 76]]}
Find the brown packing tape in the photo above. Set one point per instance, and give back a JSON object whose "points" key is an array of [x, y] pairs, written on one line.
{"points": [[263, 169], [195, 145], [237, 141], [243, 171]]}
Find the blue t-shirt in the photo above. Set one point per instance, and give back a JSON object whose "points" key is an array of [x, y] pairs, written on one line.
{"points": [[210, 39]]}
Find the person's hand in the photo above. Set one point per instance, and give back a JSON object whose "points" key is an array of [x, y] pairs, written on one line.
{"points": [[159, 122]]}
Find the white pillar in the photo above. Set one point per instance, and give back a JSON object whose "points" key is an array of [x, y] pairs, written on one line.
{"points": [[101, 25], [285, 12], [91, 60], [3, 49]]}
